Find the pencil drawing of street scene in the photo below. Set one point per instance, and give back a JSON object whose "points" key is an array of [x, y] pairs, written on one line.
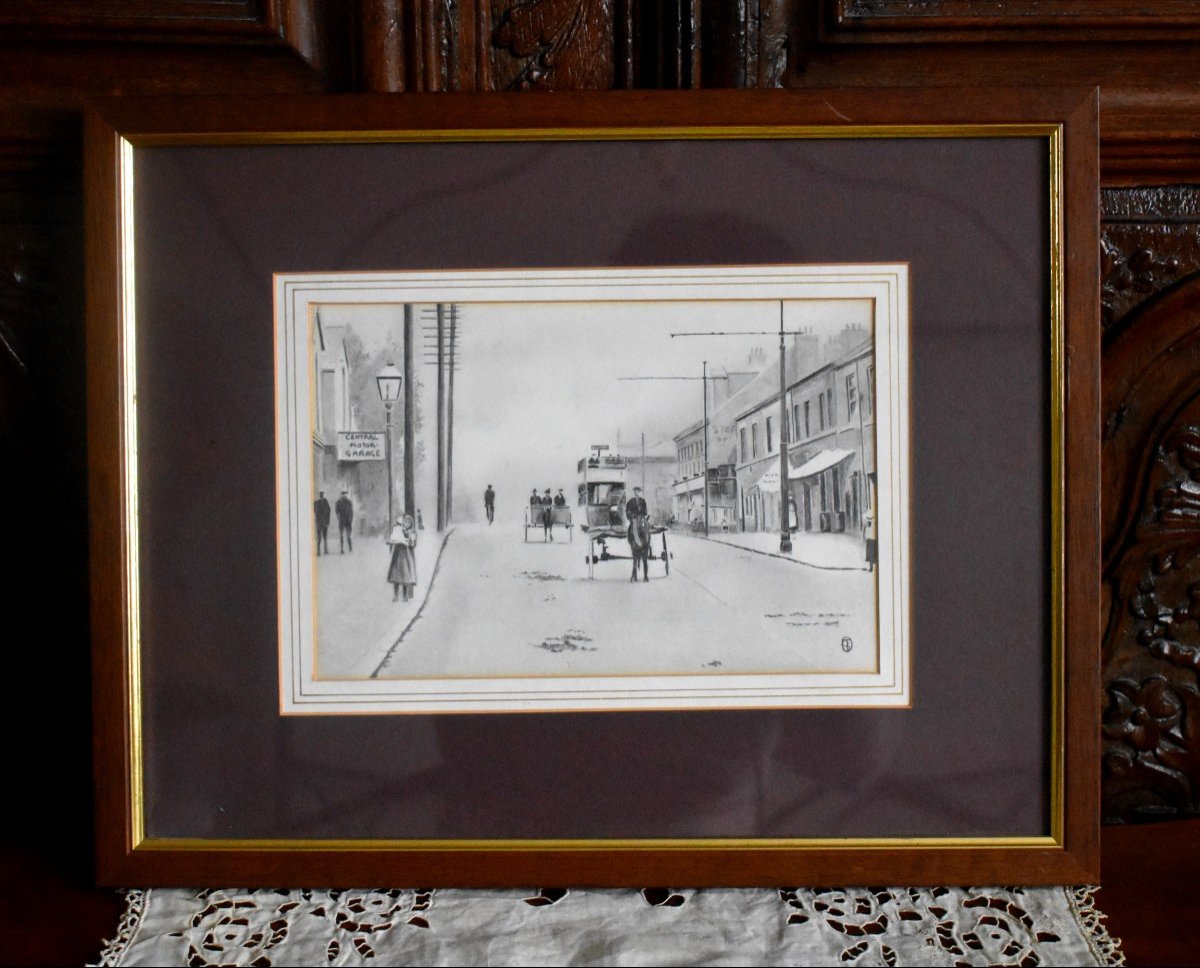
{"points": [[593, 488]]}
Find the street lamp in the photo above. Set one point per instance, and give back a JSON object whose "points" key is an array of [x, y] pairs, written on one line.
{"points": [[388, 381], [785, 496]]}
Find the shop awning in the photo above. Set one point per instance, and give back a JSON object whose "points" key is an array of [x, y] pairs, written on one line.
{"points": [[823, 460]]}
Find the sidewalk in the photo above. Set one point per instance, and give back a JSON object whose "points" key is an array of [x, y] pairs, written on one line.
{"points": [[357, 621], [833, 552]]}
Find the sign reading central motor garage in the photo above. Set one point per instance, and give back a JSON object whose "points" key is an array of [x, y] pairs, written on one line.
{"points": [[362, 445]]}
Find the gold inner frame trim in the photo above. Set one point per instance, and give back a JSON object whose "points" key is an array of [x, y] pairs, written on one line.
{"points": [[884, 844], [127, 347], [1051, 131], [634, 133]]}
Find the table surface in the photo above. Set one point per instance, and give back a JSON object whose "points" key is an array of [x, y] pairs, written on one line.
{"points": [[52, 915]]}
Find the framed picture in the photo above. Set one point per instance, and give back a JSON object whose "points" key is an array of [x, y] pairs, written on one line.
{"points": [[595, 489], [476, 620]]}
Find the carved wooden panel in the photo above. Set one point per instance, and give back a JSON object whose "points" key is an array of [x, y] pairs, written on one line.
{"points": [[552, 44], [755, 44], [1151, 466], [1150, 240], [43, 449], [501, 45]]}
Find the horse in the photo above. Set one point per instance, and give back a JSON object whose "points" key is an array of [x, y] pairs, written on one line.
{"points": [[639, 545]]}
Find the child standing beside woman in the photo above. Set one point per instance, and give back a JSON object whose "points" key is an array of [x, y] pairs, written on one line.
{"points": [[403, 568]]}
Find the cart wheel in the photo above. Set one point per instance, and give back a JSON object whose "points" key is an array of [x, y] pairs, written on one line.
{"points": [[666, 558]]}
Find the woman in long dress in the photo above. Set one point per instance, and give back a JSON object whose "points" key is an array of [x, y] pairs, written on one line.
{"points": [[403, 568]]}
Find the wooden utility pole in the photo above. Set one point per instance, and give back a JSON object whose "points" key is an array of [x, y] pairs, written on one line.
{"points": [[450, 418], [441, 417], [410, 487], [704, 482]]}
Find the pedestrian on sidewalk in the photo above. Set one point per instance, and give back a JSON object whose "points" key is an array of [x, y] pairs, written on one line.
{"points": [[870, 539], [489, 503], [321, 509], [403, 568], [345, 515]]}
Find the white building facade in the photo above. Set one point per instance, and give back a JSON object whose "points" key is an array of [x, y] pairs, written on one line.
{"points": [[828, 430]]}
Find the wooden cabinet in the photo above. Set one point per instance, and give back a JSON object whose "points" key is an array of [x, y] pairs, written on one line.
{"points": [[1143, 54]]}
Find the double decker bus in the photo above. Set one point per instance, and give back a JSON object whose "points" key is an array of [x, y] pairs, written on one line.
{"points": [[603, 480]]}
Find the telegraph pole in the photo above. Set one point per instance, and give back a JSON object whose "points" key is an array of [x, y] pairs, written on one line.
{"points": [[441, 411], [705, 387], [410, 487], [450, 418], [785, 534], [441, 350]]}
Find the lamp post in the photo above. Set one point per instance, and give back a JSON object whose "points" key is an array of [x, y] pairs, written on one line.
{"points": [[389, 380], [785, 534]]}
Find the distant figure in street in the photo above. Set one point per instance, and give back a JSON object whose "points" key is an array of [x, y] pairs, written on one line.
{"points": [[869, 536], [321, 508], [560, 499], [345, 515], [420, 521], [489, 503], [548, 516], [402, 572]]}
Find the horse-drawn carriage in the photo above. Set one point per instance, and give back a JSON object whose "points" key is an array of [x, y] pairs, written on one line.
{"points": [[560, 517], [602, 487]]}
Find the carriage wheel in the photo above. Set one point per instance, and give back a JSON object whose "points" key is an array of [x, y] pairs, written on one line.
{"points": [[666, 557]]}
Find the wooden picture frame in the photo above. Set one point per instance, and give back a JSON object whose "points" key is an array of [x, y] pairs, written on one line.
{"points": [[200, 780]]}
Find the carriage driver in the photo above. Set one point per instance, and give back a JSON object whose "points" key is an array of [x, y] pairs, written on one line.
{"points": [[635, 507]]}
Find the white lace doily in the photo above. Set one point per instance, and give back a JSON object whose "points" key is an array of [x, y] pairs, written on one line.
{"points": [[800, 926]]}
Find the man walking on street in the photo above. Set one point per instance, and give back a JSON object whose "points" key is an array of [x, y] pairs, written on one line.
{"points": [[345, 515], [321, 507], [489, 503]]}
